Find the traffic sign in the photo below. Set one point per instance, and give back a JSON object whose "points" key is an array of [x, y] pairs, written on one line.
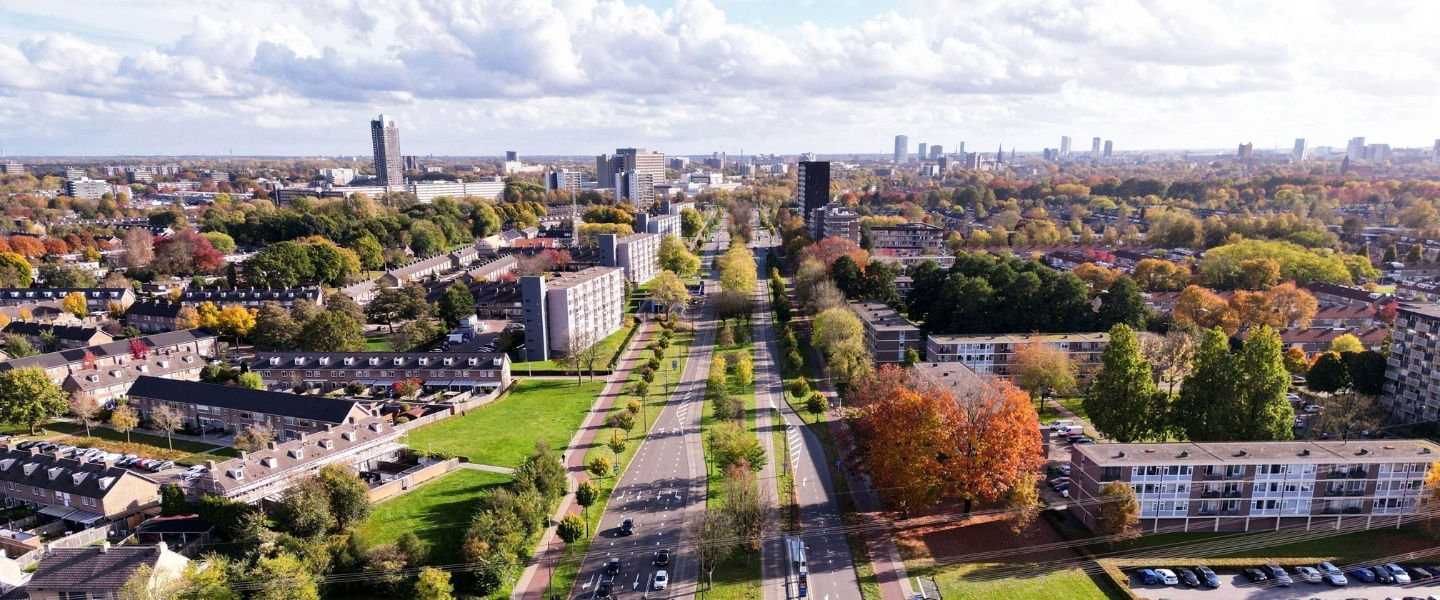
{"points": [[674, 364], [617, 469]]}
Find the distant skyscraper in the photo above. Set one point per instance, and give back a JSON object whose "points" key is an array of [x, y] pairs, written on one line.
{"points": [[625, 160], [385, 137], [1095, 148], [924, 150], [1245, 150], [1436, 151], [1064, 146], [1109, 147], [813, 186], [511, 156], [902, 148], [1298, 152], [936, 152], [1355, 150], [962, 148]]}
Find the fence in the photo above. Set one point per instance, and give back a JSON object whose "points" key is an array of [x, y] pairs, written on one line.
{"points": [[457, 405], [410, 479], [76, 540]]}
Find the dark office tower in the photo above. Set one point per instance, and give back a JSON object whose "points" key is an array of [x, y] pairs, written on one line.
{"points": [[511, 156], [1109, 146], [936, 152], [385, 136], [924, 151], [813, 186]]}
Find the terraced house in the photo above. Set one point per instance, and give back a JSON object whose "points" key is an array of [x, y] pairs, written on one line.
{"points": [[96, 299], [83, 493], [252, 297], [231, 409], [266, 474], [106, 371], [479, 372], [1239, 486]]}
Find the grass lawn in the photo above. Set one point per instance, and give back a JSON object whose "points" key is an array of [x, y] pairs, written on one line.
{"points": [[607, 353], [1075, 405], [1072, 584], [438, 512], [376, 343], [182, 447], [1354, 547], [503, 432], [733, 579]]}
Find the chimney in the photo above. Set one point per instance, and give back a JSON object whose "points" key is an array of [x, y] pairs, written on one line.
{"points": [[243, 454], [34, 451], [270, 445], [104, 547], [209, 465], [301, 437]]}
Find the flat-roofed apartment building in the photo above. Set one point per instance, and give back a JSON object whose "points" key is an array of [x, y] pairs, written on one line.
{"points": [[1412, 381], [638, 254], [585, 306], [887, 334], [908, 239], [480, 372], [1240, 486], [991, 354]]}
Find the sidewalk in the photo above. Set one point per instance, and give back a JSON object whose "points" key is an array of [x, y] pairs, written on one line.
{"points": [[532, 583]]}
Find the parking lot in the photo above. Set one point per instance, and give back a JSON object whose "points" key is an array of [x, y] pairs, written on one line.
{"points": [[1234, 586]]}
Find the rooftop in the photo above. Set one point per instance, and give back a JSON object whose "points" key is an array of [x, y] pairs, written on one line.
{"points": [[92, 568], [568, 280], [324, 410], [1016, 338], [1428, 309], [1252, 453], [878, 316]]}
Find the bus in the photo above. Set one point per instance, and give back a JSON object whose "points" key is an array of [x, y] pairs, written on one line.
{"points": [[798, 566]]}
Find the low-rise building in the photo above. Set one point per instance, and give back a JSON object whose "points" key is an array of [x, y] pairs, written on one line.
{"points": [[60, 487], [499, 269], [1240, 486], [499, 300], [267, 473], [102, 571], [571, 311], [991, 354], [252, 297], [153, 317], [49, 311], [232, 408], [1318, 339], [96, 299], [105, 371], [908, 239], [66, 336], [887, 334], [480, 372], [1330, 294], [638, 254], [1345, 317], [430, 267]]}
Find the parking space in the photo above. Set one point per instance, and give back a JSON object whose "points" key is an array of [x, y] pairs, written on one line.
{"points": [[1234, 586]]}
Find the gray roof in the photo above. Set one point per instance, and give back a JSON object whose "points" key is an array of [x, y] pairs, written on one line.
{"points": [[315, 408], [121, 347], [91, 569], [249, 294], [168, 310], [881, 317], [1251, 453], [46, 471], [64, 332], [376, 360], [60, 293], [312, 449]]}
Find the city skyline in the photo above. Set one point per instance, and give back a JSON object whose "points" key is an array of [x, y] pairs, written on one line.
{"points": [[580, 78]]}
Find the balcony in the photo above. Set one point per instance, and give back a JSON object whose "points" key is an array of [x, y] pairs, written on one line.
{"points": [[1359, 492], [1210, 494], [1357, 474], [1335, 474], [1334, 492]]}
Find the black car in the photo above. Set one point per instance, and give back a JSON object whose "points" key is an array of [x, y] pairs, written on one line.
{"points": [[1207, 576], [603, 591], [1419, 574], [627, 526], [1383, 575], [1187, 577], [662, 558], [1255, 575], [613, 568]]}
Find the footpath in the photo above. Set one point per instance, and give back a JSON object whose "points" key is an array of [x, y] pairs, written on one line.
{"points": [[536, 577]]}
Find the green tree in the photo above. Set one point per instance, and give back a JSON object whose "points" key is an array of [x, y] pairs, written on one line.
{"points": [[667, 290], [586, 494], [599, 466], [331, 332], [1329, 374], [691, 222], [220, 241], [674, 256], [457, 303], [815, 404], [1346, 343], [14, 271], [800, 388], [304, 511], [1367, 372], [349, 495], [368, 249], [433, 584], [1203, 410], [1119, 511], [60, 275], [18, 347], [1261, 382], [28, 397], [572, 528], [1122, 402], [1390, 255], [617, 444], [172, 501], [283, 577], [1121, 303], [1415, 254], [250, 381]]}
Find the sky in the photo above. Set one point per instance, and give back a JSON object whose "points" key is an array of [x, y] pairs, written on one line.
{"points": [[687, 77]]}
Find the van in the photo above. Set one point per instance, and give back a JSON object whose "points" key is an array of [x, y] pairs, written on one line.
{"points": [[1059, 424], [1072, 430]]}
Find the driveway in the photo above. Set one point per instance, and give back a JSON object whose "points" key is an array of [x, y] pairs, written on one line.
{"points": [[1234, 586]]}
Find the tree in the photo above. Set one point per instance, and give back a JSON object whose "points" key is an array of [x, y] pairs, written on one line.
{"points": [[617, 445], [1259, 273], [1292, 306], [990, 440], [675, 257], [18, 347], [185, 253], [1170, 356], [59, 275], [251, 381], [1157, 275], [433, 584], [1121, 303], [76, 304], [845, 272], [1119, 511], [304, 511], [586, 494], [1346, 415], [1367, 372], [1024, 502], [572, 528], [1122, 401], [1204, 410], [1346, 343], [348, 494], [1414, 255], [1328, 374], [283, 577], [124, 419], [187, 318], [599, 466], [667, 289], [14, 270], [800, 388], [274, 329], [455, 304], [331, 332], [168, 420], [172, 501], [139, 248], [235, 321], [253, 438], [731, 445], [815, 404], [690, 222], [220, 241], [83, 408], [623, 420], [748, 511], [1295, 362], [1039, 366], [711, 534], [1204, 309], [28, 397]]}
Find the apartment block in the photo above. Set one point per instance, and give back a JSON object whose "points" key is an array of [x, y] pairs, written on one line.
{"points": [[1240, 486], [252, 297], [1412, 381], [661, 224], [638, 254], [909, 239], [231, 408], [480, 372], [584, 307], [887, 334], [835, 221], [254, 476], [991, 354]]}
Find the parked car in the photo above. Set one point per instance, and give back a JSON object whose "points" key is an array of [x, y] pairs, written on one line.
{"points": [[1207, 576], [1327, 567], [1255, 575], [1059, 424], [1167, 577], [161, 466], [1398, 573], [1065, 470], [1062, 487], [1419, 574], [1336, 579], [1277, 573], [1362, 574], [1148, 576], [1059, 480], [662, 557], [1083, 440], [1187, 577], [1433, 569], [662, 579], [1383, 575], [1307, 574]]}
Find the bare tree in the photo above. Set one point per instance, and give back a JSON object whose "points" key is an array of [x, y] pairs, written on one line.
{"points": [[84, 409], [582, 351], [253, 438], [710, 531], [1347, 415], [1170, 355], [750, 513], [139, 247], [168, 420]]}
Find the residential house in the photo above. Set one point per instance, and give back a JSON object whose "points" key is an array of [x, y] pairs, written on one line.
{"points": [[60, 487], [1318, 339], [429, 267], [96, 299], [105, 371], [101, 571], [1345, 317], [252, 297], [480, 372], [1330, 294], [50, 311], [267, 473], [1265, 486], [153, 317], [232, 409], [66, 336]]}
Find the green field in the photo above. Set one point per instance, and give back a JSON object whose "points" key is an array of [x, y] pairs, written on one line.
{"points": [[108, 434], [611, 345], [1071, 584], [503, 432], [438, 512], [1360, 546], [734, 579]]}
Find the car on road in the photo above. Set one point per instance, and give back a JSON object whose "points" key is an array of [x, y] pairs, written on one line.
{"points": [[1207, 576], [613, 568], [1187, 577], [1362, 574], [1147, 576], [662, 557], [627, 526], [1307, 574], [1167, 577], [1255, 575], [603, 591], [662, 579], [1277, 573], [1398, 573]]}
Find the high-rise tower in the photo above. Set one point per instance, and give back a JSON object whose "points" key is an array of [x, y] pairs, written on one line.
{"points": [[385, 137]]}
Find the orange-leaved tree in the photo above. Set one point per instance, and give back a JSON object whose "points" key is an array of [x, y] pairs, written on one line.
{"points": [[994, 438]]}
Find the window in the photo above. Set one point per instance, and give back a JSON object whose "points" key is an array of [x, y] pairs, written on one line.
{"points": [[1109, 473]]}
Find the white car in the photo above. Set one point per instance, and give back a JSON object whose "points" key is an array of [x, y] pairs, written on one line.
{"points": [[1400, 575], [1059, 424], [1308, 574], [662, 579], [1167, 576]]}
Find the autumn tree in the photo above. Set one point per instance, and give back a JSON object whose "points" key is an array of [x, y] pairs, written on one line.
{"points": [[675, 257], [1204, 309], [1170, 356], [1039, 367], [1119, 511], [14, 270], [125, 419], [1293, 306], [139, 247], [1023, 501], [1259, 273], [669, 291], [168, 420], [1296, 362], [712, 537], [1346, 343], [1158, 275], [84, 408]]}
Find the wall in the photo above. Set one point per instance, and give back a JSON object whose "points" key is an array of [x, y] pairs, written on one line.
{"points": [[414, 478]]}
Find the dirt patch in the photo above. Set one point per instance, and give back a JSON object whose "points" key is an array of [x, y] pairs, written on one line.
{"points": [[944, 536]]}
